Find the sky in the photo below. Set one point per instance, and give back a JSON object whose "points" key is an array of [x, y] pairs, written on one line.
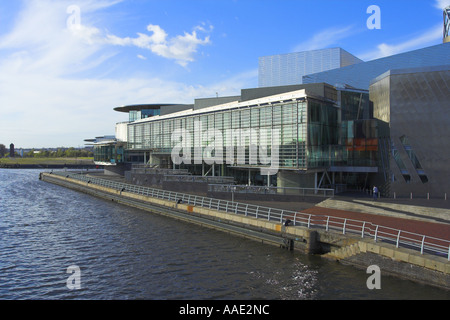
{"points": [[65, 65]]}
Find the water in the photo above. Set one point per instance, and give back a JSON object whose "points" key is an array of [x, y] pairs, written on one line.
{"points": [[126, 253]]}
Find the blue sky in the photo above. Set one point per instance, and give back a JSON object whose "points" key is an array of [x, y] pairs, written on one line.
{"points": [[64, 65]]}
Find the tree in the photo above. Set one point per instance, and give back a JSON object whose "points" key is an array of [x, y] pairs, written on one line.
{"points": [[30, 154], [60, 153]]}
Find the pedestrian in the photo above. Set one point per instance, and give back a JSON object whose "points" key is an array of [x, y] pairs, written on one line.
{"points": [[375, 193]]}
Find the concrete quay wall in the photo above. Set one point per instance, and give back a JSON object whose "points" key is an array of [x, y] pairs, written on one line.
{"points": [[249, 227], [399, 262], [347, 249]]}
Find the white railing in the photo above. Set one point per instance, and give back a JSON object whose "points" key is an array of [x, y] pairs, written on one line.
{"points": [[230, 188], [401, 238]]}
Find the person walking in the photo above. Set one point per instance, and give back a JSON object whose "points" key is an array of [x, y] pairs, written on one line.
{"points": [[375, 193]]}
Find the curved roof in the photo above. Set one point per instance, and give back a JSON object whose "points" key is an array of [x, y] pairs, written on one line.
{"points": [[138, 107]]}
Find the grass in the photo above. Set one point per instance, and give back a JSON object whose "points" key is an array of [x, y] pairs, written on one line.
{"points": [[46, 161]]}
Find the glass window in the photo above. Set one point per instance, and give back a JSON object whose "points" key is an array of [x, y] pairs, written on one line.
{"points": [[276, 114], [414, 160], [289, 113], [235, 118], [265, 116], [227, 120], [254, 114], [218, 121], [245, 118]]}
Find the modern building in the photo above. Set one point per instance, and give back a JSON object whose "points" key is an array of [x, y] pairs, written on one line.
{"points": [[289, 69], [108, 150], [360, 75], [383, 122], [312, 135], [416, 104]]}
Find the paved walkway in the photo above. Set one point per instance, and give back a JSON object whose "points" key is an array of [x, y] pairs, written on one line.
{"points": [[432, 229], [409, 222]]}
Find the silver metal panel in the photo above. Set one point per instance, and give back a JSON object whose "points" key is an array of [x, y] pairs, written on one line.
{"points": [[360, 75], [417, 106], [289, 69]]}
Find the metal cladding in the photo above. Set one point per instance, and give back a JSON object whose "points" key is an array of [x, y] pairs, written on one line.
{"points": [[360, 75], [415, 102], [288, 69]]}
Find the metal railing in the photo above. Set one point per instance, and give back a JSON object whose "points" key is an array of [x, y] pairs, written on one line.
{"points": [[401, 238], [229, 188], [142, 168], [200, 179]]}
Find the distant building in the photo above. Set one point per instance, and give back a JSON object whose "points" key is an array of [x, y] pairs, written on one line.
{"points": [[12, 152]]}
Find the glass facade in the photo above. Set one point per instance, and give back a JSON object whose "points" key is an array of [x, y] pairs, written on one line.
{"points": [[360, 138], [355, 106], [323, 134], [142, 114], [290, 119], [312, 134], [109, 153]]}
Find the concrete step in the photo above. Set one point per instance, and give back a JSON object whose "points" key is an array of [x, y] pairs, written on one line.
{"points": [[388, 209], [344, 252]]}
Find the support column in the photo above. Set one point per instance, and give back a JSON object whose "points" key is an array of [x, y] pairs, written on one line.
{"points": [[315, 182]]}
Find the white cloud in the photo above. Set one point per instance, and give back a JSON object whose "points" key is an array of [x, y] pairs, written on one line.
{"points": [[441, 4], [180, 48], [326, 38], [427, 38], [45, 100]]}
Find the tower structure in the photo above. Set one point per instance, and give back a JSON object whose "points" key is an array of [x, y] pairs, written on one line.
{"points": [[447, 24]]}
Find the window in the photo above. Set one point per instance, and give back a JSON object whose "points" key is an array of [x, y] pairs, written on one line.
{"points": [[414, 160]]}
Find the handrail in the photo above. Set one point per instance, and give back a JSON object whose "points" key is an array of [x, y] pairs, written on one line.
{"points": [[422, 243], [232, 188]]}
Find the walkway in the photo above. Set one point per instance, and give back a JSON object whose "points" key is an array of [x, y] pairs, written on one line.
{"points": [[397, 219], [393, 218]]}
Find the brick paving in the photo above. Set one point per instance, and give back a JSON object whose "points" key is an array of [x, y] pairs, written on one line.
{"points": [[438, 229], [433, 229]]}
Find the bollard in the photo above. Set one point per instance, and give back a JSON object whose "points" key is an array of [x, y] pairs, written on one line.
{"points": [[428, 196]]}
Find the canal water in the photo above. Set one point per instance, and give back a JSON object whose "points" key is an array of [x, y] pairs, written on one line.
{"points": [[115, 252]]}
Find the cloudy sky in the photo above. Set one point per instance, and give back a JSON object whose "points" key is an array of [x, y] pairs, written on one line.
{"points": [[64, 65]]}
